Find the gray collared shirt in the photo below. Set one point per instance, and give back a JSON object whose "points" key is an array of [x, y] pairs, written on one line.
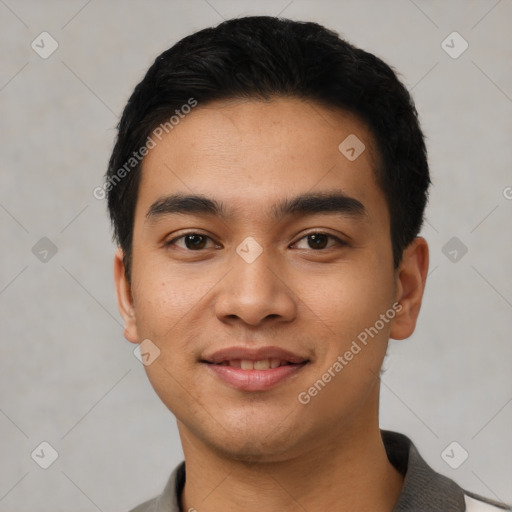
{"points": [[424, 490]]}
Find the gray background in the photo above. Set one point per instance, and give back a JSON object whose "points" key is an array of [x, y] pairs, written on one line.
{"points": [[69, 378]]}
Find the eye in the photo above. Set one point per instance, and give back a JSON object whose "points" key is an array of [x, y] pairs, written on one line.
{"points": [[191, 241], [319, 240]]}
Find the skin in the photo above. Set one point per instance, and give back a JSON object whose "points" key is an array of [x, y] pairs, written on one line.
{"points": [[265, 450]]}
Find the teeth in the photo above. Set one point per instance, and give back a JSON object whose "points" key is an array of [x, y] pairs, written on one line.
{"points": [[262, 364], [247, 365]]}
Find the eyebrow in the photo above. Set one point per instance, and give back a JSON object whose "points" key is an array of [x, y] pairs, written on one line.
{"points": [[304, 204]]}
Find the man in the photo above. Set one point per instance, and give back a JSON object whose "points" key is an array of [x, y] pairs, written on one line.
{"points": [[266, 190]]}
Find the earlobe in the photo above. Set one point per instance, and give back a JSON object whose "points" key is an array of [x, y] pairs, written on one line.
{"points": [[410, 285], [124, 298]]}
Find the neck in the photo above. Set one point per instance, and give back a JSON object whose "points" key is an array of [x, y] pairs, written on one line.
{"points": [[348, 471]]}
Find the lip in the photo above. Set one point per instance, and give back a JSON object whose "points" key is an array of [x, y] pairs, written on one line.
{"points": [[254, 354], [254, 380]]}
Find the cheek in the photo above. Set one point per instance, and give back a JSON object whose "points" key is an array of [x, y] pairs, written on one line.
{"points": [[164, 306], [164, 298], [170, 306], [347, 300], [353, 345]]}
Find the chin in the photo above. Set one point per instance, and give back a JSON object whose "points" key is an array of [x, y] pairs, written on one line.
{"points": [[254, 445], [255, 451]]}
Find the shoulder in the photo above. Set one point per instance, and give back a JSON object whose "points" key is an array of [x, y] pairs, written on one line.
{"points": [[424, 488], [475, 503], [168, 501], [147, 506]]}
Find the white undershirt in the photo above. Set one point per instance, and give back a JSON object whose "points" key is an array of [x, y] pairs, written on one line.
{"points": [[473, 505]]}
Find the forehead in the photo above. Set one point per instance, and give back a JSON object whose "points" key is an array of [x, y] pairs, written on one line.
{"points": [[250, 153]]}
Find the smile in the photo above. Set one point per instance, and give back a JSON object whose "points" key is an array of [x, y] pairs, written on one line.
{"points": [[262, 364], [254, 369]]}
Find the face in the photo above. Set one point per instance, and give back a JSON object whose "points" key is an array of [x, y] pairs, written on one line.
{"points": [[257, 292]]}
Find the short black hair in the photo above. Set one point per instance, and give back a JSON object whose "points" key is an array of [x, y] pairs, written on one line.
{"points": [[262, 57]]}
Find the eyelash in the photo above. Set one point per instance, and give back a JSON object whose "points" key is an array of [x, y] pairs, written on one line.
{"points": [[329, 235]]}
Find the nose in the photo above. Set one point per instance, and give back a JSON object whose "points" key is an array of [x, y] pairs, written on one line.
{"points": [[255, 293]]}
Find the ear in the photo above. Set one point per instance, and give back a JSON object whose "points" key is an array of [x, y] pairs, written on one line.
{"points": [[124, 298], [410, 285]]}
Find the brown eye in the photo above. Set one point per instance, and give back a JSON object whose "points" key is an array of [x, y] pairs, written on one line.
{"points": [[195, 241], [318, 241], [191, 241]]}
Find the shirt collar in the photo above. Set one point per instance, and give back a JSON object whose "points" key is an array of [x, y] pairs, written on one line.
{"points": [[423, 488]]}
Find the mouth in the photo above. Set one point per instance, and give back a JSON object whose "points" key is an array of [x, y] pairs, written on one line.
{"points": [[262, 364], [254, 369]]}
